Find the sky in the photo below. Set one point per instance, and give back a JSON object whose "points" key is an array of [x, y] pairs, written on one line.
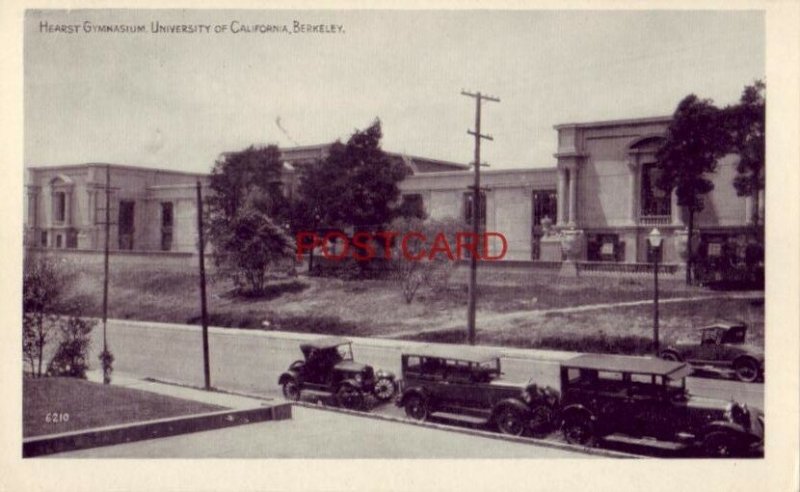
{"points": [[177, 100]]}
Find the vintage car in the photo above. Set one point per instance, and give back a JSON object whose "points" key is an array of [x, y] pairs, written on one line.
{"points": [[329, 368], [720, 348], [643, 402], [469, 389]]}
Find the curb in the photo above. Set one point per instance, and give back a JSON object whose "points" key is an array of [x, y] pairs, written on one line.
{"points": [[532, 441], [139, 431]]}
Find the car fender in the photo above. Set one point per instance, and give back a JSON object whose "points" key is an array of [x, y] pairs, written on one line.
{"points": [[349, 382], [672, 351], [743, 357], [288, 376], [382, 374], [576, 409], [725, 426], [512, 403], [415, 391]]}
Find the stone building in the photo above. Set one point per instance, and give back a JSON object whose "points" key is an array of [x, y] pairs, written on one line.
{"points": [[599, 198]]}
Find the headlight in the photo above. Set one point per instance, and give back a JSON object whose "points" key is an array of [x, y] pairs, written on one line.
{"points": [[359, 378], [526, 396]]}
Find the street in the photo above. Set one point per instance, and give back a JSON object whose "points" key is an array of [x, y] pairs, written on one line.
{"points": [[252, 361]]}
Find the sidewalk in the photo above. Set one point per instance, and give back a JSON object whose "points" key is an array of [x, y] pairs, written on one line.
{"points": [[222, 399]]}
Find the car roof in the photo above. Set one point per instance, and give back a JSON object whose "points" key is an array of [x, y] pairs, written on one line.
{"points": [[454, 352], [324, 343], [627, 363], [723, 324]]}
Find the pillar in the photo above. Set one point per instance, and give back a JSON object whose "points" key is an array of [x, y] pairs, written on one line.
{"points": [[560, 202], [674, 209], [573, 194], [633, 180]]}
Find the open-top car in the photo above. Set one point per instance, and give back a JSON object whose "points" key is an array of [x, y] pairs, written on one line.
{"points": [[328, 367], [468, 388], [720, 348], [644, 401]]}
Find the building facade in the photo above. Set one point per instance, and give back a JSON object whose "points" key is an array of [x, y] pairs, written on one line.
{"points": [[600, 194]]}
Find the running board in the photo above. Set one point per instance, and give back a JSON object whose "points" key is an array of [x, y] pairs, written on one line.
{"points": [[467, 419], [646, 441]]}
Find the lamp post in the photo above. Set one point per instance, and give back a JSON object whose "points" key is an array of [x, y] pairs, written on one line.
{"points": [[655, 238]]}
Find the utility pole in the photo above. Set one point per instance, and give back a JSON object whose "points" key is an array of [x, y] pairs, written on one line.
{"points": [[106, 373], [203, 310], [476, 208]]}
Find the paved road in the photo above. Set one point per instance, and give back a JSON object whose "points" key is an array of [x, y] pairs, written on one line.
{"points": [[325, 435], [252, 361]]}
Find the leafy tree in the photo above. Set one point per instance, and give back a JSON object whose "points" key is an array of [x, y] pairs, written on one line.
{"points": [[247, 245], [245, 211], [746, 124], [45, 283], [250, 176], [694, 142], [355, 185]]}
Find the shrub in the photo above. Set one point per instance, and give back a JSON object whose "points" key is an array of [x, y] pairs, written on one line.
{"points": [[70, 359]]}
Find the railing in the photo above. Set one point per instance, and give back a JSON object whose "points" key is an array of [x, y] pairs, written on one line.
{"points": [[655, 220], [631, 268]]}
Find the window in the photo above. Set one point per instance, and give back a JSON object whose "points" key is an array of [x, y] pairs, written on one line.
{"points": [[413, 205], [604, 247], [126, 224], [654, 200], [59, 206], [481, 209], [44, 239], [544, 205], [166, 226]]}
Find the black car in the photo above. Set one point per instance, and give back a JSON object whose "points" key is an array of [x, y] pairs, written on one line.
{"points": [[328, 367], [468, 388], [720, 349], [644, 401]]}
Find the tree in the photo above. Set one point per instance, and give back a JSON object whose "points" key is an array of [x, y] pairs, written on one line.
{"points": [[250, 176], [247, 245], [746, 125], [44, 284], [412, 274], [245, 211], [694, 142], [355, 185]]}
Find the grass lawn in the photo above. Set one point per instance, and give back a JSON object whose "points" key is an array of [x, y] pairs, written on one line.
{"points": [[56, 405], [618, 330], [357, 308]]}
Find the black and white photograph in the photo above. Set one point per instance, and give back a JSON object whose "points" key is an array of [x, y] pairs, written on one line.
{"points": [[275, 235]]}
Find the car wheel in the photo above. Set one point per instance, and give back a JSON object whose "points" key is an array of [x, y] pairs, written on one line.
{"points": [[720, 445], [747, 370], [416, 408], [384, 389], [579, 430], [541, 419], [291, 390], [510, 422], [349, 397]]}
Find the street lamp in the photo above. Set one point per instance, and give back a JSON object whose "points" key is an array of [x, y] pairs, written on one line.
{"points": [[655, 238]]}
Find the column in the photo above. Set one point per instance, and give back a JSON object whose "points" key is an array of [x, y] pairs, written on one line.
{"points": [[748, 210], [68, 207], [561, 189], [633, 178], [573, 193], [675, 210]]}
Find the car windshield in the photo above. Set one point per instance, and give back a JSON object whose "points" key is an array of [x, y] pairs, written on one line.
{"points": [[345, 351]]}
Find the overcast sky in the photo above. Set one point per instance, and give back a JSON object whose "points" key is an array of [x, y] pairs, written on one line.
{"points": [[177, 100]]}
